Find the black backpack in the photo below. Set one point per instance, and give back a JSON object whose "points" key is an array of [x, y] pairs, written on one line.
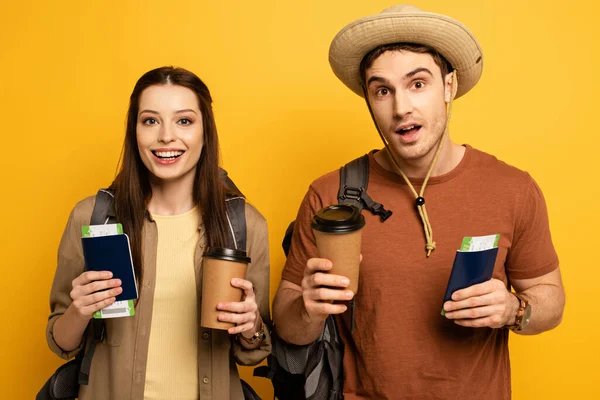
{"points": [[315, 371], [64, 383]]}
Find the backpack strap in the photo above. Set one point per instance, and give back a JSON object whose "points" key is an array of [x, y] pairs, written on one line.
{"points": [[354, 179], [230, 187], [287, 238], [236, 219], [98, 330], [326, 356], [104, 208], [102, 214], [235, 202]]}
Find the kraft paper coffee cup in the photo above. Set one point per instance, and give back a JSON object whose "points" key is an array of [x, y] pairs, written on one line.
{"points": [[219, 267], [338, 231]]}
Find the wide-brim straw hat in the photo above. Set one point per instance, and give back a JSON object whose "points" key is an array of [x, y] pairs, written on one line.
{"points": [[406, 24]]}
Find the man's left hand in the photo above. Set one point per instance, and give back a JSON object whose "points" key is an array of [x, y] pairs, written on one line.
{"points": [[487, 304]]}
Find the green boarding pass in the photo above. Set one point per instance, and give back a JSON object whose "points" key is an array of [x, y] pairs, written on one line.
{"points": [[101, 230], [479, 243], [117, 309]]}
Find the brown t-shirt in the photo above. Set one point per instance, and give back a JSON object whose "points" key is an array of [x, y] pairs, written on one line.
{"points": [[402, 348]]}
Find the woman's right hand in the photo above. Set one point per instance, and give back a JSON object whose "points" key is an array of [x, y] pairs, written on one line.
{"points": [[92, 291]]}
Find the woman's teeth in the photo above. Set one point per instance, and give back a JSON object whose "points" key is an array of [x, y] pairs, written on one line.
{"points": [[168, 154]]}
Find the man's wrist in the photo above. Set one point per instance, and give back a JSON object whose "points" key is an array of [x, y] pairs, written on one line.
{"points": [[522, 316]]}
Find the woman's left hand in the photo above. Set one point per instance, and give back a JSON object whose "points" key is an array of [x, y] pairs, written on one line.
{"points": [[244, 313]]}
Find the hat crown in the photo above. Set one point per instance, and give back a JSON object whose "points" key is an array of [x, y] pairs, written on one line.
{"points": [[402, 9], [405, 23]]}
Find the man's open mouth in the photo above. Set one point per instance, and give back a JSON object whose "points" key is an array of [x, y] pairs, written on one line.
{"points": [[408, 129]]}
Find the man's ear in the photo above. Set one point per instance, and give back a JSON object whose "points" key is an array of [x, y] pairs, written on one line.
{"points": [[450, 89]]}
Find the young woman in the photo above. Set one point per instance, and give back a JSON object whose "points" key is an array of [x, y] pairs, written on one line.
{"points": [[170, 199]]}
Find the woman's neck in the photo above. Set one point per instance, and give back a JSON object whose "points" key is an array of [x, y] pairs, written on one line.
{"points": [[171, 198]]}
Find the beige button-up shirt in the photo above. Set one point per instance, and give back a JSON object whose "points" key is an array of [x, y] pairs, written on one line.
{"points": [[119, 365]]}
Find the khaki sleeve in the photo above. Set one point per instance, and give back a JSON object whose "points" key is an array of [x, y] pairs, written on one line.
{"points": [[303, 245], [532, 253], [70, 265], [259, 274]]}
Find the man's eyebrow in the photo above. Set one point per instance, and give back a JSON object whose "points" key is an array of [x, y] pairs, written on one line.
{"points": [[416, 71], [380, 79], [376, 78]]}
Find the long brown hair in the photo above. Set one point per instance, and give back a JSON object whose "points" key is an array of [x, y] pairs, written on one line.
{"points": [[132, 186]]}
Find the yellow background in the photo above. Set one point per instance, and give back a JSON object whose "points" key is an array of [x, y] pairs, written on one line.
{"points": [[67, 69]]}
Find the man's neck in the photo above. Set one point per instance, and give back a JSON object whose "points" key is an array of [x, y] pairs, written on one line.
{"points": [[450, 156], [172, 198]]}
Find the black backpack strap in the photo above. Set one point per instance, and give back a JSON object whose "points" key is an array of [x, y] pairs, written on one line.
{"points": [[335, 358], [103, 208], [236, 219], [98, 328], [236, 213], [354, 180], [287, 238], [102, 214], [230, 187]]}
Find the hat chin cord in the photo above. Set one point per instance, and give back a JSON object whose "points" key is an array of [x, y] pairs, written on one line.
{"points": [[419, 199]]}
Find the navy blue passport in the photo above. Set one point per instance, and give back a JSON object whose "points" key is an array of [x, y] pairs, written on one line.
{"points": [[112, 253], [470, 268]]}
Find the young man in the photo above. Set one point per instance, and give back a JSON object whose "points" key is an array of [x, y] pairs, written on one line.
{"points": [[409, 65]]}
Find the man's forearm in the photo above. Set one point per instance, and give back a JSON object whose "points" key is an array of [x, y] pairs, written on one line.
{"points": [[547, 305], [291, 320]]}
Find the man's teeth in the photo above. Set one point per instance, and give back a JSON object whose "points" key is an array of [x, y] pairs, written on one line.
{"points": [[168, 154], [408, 128]]}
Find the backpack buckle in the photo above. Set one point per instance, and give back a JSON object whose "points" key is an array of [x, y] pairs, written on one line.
{"points": [[351, 193], [382, 212]]}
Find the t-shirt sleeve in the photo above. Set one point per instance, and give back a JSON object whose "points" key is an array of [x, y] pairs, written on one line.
{"points": [[532, 253], [303, 245]]}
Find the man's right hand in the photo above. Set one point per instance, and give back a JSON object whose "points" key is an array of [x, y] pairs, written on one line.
{"points": [[320, 289], [90, 292]]}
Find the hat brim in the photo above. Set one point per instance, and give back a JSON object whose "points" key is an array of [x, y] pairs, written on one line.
{"points": [[445, 35]]}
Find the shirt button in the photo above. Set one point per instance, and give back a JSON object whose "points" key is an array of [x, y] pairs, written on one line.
{"points": [[205, 335], [205, 380]]}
